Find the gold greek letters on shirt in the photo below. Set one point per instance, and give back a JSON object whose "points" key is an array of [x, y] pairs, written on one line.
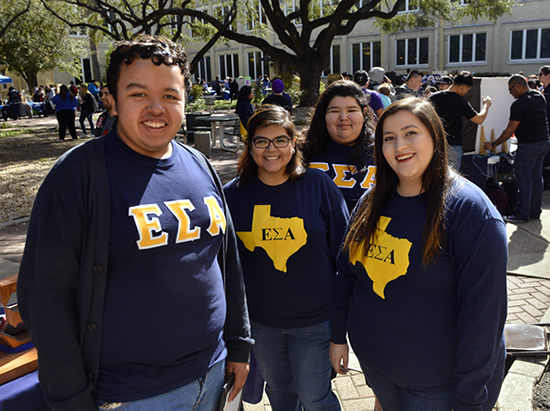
{"points": [[343, 174], [146, 218]]}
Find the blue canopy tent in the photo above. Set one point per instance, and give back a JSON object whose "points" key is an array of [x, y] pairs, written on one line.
{"points": [[5, 79]]}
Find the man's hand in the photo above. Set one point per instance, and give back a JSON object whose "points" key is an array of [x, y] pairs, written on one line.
{"points": [[339, 357], [487, 101], [240, 371], [488, 146]]}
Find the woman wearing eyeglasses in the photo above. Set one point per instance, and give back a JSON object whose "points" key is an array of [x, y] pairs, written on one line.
{"points": [[290, 221]]}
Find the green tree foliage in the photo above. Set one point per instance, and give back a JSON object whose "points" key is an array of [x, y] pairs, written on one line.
{"points": [[10, 11], [38, 42], [305, 28]]}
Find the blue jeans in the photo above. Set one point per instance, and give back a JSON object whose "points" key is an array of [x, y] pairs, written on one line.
{"points": [[393, 397], [203, 394], [83, 116], [529, 182], [454, 156], [296, 366]]}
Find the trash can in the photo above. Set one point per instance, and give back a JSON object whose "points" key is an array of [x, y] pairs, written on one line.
{"points": [[202, 142]]}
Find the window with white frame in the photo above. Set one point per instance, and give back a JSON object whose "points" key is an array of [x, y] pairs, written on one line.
{"points": [[195, 26], [365, 55], [228, 65], [467, 48], [412, 52], [78, 32], [408, 5], [334, 61], [461, 2], [220, 13], [204, 69], [255, 15], [257, 64], [530, 44], [86, 70]]}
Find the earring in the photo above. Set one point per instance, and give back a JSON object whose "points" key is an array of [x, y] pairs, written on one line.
{"points": [[293, 150]]}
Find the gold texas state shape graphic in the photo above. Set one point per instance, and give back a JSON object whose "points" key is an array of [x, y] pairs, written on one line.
{"points": [[279, 237], [385, 260]]}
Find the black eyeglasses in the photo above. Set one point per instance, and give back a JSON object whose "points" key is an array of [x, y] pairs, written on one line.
{"points": [[542, 74], [278, 142]]}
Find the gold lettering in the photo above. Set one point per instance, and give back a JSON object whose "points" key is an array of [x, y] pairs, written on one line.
{"points": [[185, 233], [146, 225]]}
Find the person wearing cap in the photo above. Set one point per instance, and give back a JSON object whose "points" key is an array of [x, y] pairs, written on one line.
{"points": [[361, 77], [445, 83], [411, 87], [452, 106], [278, 96], [346, 76]]}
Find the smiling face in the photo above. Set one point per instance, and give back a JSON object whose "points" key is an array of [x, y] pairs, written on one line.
{"points": [[150, 106], [344, 120], [408, 148], [272, 161]]}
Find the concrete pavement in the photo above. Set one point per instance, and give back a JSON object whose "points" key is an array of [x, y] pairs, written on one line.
{"points": [[528, 295]]}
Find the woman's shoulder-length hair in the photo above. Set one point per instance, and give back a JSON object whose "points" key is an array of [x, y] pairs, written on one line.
{"points": [[265, 116]]}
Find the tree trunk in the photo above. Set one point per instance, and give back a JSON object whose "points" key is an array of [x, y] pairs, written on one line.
{"points": [[310, 78]]}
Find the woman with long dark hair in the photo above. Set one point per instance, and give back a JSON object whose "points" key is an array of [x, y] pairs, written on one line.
{"points": [[244, 107], [339, 142], [421, 289], [65, 107], [290, 222]]}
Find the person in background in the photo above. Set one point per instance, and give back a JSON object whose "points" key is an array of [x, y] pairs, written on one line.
{"points": [[452, 107], [411, 87], [72, 88], [86, 110], [278, 96], [265, 84], [385, 91], [421, 285], [361, 77], [244, 107], [445, 83], [529, 124], [107, 120], [346, 76], [234, 89], [338, 140], [121, 248], [428, 91], [65, 106], [14, 101], [290, 221]]}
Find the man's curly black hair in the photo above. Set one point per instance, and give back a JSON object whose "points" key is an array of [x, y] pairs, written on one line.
{"points": [[158, 49]]}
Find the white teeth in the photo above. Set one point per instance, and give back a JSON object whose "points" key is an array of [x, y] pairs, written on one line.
{"points": [[404, 157], [272, 158], [154, 124]]}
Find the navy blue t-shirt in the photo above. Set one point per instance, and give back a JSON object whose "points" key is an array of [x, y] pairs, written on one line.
{"points": [[335, 162], [289, 236], [164, 305]]}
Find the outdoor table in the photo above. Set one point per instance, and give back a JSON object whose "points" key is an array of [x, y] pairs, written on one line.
{"points": [[218, 120]]}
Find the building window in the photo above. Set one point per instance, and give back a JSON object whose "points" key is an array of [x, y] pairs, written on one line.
{"points": [[334, 62], [408, 5], [204, 69], [533, 44], [461, 2], [255, 15], [366, 55], [196, 26], [78, 32], [257, 65], [467, 48], [86, 70], [228, 65], [220, 13], [412, 52]]}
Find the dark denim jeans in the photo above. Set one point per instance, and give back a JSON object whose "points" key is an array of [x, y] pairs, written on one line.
{"points": [[529, 182], [296, 366]]}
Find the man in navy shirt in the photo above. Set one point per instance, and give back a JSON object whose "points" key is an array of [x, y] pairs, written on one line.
{"points": [[130, 284]]}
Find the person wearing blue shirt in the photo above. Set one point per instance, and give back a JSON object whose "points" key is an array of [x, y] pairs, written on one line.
{"points": [[421, 286], [289, 221], [130, 283], [65, 107]]}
